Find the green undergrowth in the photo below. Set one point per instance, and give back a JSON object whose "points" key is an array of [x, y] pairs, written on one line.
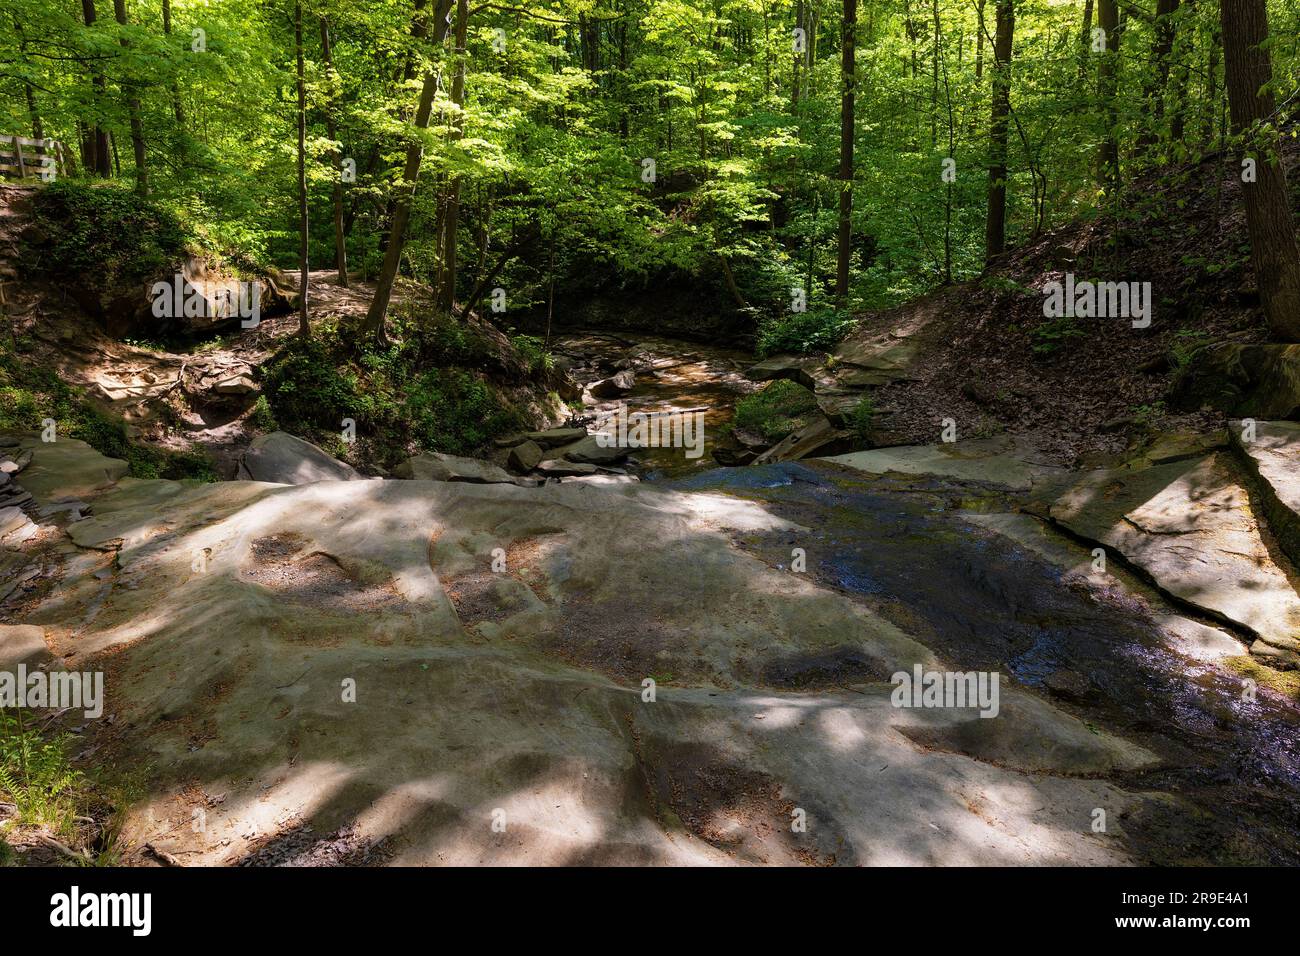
{"points": [[819, 329], [107, 232], [425, 390], [84, 809]]}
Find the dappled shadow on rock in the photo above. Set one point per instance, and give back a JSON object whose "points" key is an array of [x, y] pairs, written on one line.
{"points": [[444, 730], [904, 548]]}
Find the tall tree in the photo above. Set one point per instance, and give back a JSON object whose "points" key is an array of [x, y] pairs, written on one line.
{"points": [[1162, 48], [178, 109], [995, 234], [451, 212], [848, 82], [378, 311], [1273, 249], [331, 129], [133, 111], [1108, 92], [95, 154], [38, 128], [304, 275]]}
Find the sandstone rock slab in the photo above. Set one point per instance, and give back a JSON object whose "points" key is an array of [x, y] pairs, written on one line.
{"points": [[288, 460], [1273, 454], [1189, 526], [436, 466]]}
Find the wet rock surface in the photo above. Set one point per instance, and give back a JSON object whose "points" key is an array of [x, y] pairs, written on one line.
{"points": [[984, 595]]}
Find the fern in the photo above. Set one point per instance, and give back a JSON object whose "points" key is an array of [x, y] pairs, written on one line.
{"points": [[36, 776]]}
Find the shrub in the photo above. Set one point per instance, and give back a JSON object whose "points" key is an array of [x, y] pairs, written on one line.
{"points": [[412, 392], [534, 353], [1054, 334], [36, 776], [817, 330], [861, 418], [107, 232]]}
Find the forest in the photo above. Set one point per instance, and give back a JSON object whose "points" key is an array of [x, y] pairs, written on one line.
{"points": [[865, 156], [649, 432]]}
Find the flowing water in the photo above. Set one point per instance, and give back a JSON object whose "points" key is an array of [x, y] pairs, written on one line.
{"points": [[909, 549], [671, 376]]}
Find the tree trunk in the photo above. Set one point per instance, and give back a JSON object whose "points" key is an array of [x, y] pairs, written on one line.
{"points": [[798, 57], [848, 80], [95, 152], [38, 129], [1273, 249], [995, 238], [177, 109], [447, 290], [340, 244], [1212, 83], [402, 209], [1184, 49], [729, 277], [133, 110], [1107, 90], [304, 328], [979, 42], [1154, 93], [1085, 45]]}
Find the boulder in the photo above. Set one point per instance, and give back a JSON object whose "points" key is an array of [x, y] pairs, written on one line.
{"points": [[1179, 446], [558, 468], [18, 531], [817, 436], [554, 437], [287, 460], [525, 456], [797, 368], [615, 386], [11, 519], [566, 386], [755, 443], [839, 404], [11, 466], [590, 451], [235, 385], [733, 457], [1248, 381], [435, 466]]}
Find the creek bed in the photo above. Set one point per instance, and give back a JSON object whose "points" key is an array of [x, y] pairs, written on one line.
{"points": [[681, 377], [979, 600]]}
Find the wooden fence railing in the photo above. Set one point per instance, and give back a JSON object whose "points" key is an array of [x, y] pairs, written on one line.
{"points": [[23, 158]]}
